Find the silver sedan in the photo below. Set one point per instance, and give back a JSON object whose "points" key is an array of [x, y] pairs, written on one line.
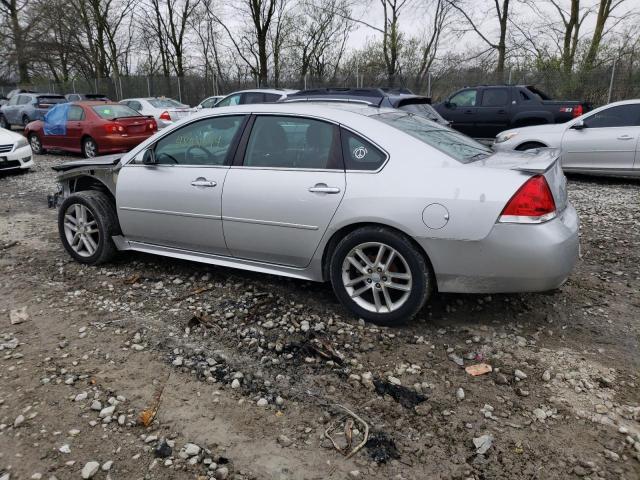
{"points": [[605, 141], [387, 206]]}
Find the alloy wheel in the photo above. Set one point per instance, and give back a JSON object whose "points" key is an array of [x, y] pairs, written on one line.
{"points": [[90, 148], [81, 230], [377, 277], [36, 146]]}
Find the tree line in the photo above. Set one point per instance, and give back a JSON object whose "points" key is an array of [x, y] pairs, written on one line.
{"points": [[277, 42]]}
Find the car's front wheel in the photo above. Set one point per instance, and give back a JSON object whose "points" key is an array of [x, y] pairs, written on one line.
{"points": [[86, 222], [36, 144], [380, 275], [3, 122], [89, 147]]}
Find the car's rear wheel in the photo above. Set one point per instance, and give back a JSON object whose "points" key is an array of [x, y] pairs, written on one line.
{"points": [[4, 123], [89, 147], [530, 146], [86, 222], [36, 144], [380, 275]]}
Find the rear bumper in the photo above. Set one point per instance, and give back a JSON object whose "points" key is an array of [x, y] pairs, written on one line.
{"points": [[21, 158], [512, 258], [121, 143]]}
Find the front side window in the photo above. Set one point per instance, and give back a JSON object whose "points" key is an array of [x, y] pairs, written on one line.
{"points": [[495, 97], [619, 116], [465, 98], [230, 100], [75, 114], [205, 142], [359, 154], [454, 144], [293, 142]]}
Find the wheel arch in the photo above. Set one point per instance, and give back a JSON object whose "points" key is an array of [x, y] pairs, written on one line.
{"points": [[531, 143], [343, 231], [87, 182]]}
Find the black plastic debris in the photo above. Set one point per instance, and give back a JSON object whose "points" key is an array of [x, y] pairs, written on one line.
{"points": [[406, 397], [163, 450], [381, 447]]}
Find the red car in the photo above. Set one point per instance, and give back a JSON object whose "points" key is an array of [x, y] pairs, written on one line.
{"points": [[90, 128]]}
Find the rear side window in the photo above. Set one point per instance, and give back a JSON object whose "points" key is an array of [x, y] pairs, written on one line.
{"points": [[620, 116], [359, 154], [205, 142], [271, 97], [253, 97], [293, 142], [75, 114], [495, 97]]}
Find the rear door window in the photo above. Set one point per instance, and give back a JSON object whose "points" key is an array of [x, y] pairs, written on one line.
{"points": [[75, 114], [360, 154], [619, 116], [206, 142], [495, 97], [252, 97], [293, 142]]}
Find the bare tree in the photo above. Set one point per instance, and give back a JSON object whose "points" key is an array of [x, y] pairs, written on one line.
{"points": [[606, 10], [15, 12]]}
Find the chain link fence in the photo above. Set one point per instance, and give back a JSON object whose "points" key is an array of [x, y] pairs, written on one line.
{"points": [[610, 83]]}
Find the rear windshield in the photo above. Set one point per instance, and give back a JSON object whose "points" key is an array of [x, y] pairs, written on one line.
{"points": [[165, 103], [423, 109], [50, 100], [109, 112], [454, 144]]}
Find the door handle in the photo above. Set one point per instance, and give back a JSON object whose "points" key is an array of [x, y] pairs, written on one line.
{"points": [[625, 137], [203, 182], [323, 188], [468, 112], [502, 112]]}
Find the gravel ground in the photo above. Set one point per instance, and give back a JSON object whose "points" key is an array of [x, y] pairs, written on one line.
{"points": [[246, 372]]}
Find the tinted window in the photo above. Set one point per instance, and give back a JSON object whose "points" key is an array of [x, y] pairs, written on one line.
{"points": [[466, 98], [75, 114], [271, 97], [109, 112], [209, 102], [135, 105], [523, 96], [290, 142], [253, 97], [620, 116], [359, 154], [230, 100], [495, 97], [454, 144], [205, 142]]}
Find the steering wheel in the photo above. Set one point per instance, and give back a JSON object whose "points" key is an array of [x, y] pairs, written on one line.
{"points": [[169, 156], [196, 147]]}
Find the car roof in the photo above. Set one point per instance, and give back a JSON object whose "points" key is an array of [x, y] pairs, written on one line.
{"points": [[277, 91], [90, 103]]}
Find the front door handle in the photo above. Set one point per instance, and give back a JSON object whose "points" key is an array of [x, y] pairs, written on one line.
{"points": [[323, 188], [625, 137], [468, 112], [203, 182]]}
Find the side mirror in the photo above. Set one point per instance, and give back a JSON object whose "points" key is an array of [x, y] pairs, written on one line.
{"points": [[579, 125], [149, 158]]}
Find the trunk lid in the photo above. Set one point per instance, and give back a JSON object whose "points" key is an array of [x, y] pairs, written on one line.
{"points": [[178, 113], [541, 161], [135, 125]]}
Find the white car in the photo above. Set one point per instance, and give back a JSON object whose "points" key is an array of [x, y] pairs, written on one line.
{"points": [[209, 102], [604, 141], [258, 95], [15, 152], [164, 110]]}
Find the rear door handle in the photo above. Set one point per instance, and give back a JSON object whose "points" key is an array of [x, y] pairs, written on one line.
{"points": [[625, 137], [323, 188], [502, 112], [468, 112], [203, 182]]}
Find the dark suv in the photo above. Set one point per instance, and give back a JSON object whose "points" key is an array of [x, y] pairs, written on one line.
{"points": [[400, 98]]}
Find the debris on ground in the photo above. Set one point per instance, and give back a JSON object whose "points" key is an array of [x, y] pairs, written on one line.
{"points": [[405, 396], [483, 444], [148, 414], [478, 369], [18, 315], [382, 447]]}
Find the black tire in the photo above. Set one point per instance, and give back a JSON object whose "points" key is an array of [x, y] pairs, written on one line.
{"points": [[25, 120], [4, 123], [419, 267], [36, 144], [530, 146], [89, 147], [103, 211]]}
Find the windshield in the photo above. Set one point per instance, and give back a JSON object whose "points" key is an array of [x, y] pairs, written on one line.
{"points": [[109, 112], [454, 144], [165, 103]]}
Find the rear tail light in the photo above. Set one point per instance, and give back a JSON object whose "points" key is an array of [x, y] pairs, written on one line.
{"points": [[113, 128], [575, 111], [532, 203], [152, 125], [165, 116]]}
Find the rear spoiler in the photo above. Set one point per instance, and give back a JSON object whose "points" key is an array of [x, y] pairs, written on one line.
{"points": [[544, 159], [536, 161]]}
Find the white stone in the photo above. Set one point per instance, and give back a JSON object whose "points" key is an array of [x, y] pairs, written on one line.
{"points": [[90, 469], [191, 449]]}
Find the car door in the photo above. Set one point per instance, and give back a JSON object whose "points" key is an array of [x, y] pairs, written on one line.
{"points": [[492, 115], [461, 110], [75, 127], [606, 140], [283, 189], [176, 202]]}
